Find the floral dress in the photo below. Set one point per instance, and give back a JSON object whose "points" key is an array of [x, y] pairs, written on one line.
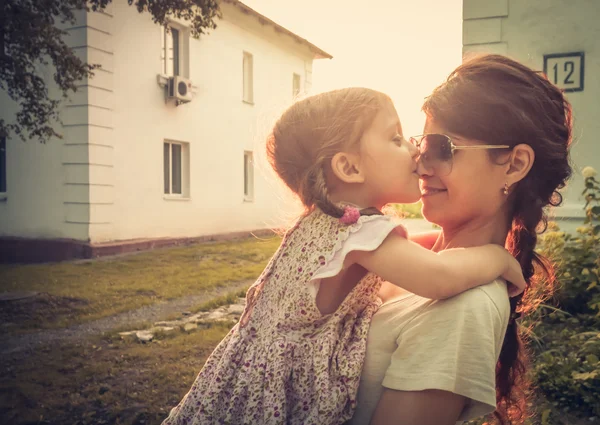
{"points": [[285, 362]]}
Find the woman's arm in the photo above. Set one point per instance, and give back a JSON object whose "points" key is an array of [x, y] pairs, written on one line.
{"points": [[429, 407]]}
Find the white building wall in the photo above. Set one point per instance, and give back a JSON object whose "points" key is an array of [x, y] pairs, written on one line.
{"points": [[217, 124], [34, 204], [104, 180], [528, 30], [89, 131], [39, 202]]}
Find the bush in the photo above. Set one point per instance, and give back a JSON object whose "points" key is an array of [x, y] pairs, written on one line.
{"points": [[566, 339], [566, 367], [407, 210]]}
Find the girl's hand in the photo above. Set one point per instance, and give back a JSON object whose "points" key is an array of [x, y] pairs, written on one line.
{"points": [[514, 276]]}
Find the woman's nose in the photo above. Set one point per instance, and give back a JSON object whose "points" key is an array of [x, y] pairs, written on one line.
{"points": [[422, 170], [414, 152]]}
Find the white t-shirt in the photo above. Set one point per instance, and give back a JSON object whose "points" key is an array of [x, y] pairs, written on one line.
{"points": [[416, 344]]}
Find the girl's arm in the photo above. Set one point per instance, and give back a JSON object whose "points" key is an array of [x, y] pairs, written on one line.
{"points": [[439, 275], [429, 407], [425, 239]]}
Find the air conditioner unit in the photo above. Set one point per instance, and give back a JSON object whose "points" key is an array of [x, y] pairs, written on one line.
{"points": [[180, 89]]}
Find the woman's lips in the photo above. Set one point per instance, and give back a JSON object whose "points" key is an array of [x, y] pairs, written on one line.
{"points": [[430, 191]]}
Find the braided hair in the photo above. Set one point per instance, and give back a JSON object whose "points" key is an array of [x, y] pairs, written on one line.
{"points": [[497, 100]]}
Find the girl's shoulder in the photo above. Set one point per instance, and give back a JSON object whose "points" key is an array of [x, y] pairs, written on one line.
{"points": [[330, 235]]}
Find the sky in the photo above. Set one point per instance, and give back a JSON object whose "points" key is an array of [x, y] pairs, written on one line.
{"points": [[400, 47]]}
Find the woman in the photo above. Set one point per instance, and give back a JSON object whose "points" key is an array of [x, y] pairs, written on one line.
{"points": [[494, 153]]}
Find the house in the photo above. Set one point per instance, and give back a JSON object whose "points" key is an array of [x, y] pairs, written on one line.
{"points": [[161, 142], [561, 39]]}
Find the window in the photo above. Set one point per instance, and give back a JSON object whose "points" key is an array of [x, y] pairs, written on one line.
{"points": [[295, 85], [176, 169], [248, 78], [171, 51], [248, 176], [2, 164]]}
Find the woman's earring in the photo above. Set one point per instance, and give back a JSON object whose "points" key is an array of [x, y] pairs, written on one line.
{"points": [[505, 191]]}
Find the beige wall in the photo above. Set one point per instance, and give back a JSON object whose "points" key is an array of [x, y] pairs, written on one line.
{"points": [[39, 202], [104, 181], [528, 30]]}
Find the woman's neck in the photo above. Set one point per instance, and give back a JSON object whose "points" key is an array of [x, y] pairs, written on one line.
{"points": [[473, 233]]}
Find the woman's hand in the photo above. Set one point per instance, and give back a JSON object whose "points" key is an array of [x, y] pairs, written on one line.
{"points": [[429, 407]]}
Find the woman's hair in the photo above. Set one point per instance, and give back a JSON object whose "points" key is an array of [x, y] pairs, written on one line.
{"points": [[497, 100], [311, 132]]}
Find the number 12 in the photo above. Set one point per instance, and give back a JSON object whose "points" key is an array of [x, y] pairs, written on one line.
{"points": [[570, 68]]}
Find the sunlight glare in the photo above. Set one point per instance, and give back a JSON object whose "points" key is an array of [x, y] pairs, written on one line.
{"points": [[401, 48]]}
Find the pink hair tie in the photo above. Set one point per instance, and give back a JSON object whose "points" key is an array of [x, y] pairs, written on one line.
{"points": [[351, 215]]}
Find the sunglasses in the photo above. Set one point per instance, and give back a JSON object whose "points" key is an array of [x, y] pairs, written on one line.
{"points": [[436, 151]]}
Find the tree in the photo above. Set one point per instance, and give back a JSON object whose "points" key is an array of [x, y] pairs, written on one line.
{"points": [[30, 40]]}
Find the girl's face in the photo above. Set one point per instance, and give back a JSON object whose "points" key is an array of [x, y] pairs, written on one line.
{"points": [[388, 161], [472, 190]]}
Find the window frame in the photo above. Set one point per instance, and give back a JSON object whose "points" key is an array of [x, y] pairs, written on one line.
{"points": [[296, 90], [248, 78], [3, 168], [181, 61], [184, 170], [248, 176]]}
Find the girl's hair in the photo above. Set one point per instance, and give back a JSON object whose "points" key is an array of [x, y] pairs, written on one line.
{"points": [[311, 132], [497, 100]]}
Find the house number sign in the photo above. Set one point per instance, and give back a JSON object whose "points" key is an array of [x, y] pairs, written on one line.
{"points": [[566, 70]]}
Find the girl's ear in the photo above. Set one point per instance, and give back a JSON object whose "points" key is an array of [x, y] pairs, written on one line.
{"points": [[346, 167]]}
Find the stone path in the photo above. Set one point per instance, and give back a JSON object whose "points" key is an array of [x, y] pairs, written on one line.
{"points": [[190, 322], [151, 313]]}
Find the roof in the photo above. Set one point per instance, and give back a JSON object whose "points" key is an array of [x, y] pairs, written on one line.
{"points": [[319, 53]]}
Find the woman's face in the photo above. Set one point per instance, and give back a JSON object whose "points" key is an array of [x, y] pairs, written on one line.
{"points": [[471, 192]]}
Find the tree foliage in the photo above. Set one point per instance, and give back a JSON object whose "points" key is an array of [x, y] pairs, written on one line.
{"points": [[32, 40]]}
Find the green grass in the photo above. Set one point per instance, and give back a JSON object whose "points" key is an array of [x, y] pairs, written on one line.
{"points": [[214, 303], [87, 290], [220, 301], [104, 381]]}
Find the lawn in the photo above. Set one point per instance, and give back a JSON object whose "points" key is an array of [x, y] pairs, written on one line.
{"points": [[107, 380], [104, 380], [80, 291]]}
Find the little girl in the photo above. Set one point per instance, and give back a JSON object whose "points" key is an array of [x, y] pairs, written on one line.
{"points": [[296, 355]]}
